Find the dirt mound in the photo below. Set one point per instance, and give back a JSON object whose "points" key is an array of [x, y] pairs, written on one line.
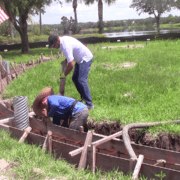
{"points": [[164, 141], [104, 128]]}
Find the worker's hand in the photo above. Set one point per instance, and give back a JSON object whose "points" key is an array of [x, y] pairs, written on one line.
{"points": [[62, 75]]}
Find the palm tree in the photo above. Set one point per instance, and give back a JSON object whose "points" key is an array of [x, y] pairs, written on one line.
{"points": [[100, 11], [74, 5]]}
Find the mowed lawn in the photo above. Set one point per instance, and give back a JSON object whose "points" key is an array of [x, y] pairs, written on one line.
{"points": [[149, 91]]}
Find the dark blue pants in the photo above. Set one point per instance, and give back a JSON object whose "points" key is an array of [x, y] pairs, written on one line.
{"points": [[80, 78]]}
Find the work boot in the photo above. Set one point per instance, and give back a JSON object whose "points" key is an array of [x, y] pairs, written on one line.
{"points": [[90, 106]]}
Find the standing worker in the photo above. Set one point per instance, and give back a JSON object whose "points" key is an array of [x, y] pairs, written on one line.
{"points": [[65, 111], [75, 51]]}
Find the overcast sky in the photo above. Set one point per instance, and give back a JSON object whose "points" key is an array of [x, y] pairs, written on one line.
{"points": [[117, 11]]}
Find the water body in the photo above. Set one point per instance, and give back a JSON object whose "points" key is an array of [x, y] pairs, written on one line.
{"points": [[139, 33]]}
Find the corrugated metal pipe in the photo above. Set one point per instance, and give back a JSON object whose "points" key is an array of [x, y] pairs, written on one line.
{"points": [[126, 137], [21, 112]]}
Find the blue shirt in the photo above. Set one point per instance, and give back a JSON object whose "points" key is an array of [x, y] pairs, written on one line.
{"points": [[60, 106]]}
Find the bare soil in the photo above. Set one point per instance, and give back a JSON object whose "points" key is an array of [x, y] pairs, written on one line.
{"points": [[164, 141]]}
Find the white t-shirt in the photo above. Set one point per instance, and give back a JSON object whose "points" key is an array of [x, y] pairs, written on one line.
{"points": [[74, 50]]}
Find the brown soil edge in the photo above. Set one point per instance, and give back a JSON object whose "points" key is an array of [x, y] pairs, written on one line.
{"points": [[142, 137]]}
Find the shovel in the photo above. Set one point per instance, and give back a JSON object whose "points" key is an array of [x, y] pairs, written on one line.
{"points": [[62, 79]]}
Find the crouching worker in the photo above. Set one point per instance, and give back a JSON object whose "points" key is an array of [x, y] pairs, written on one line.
{"points": [[74, 113]]}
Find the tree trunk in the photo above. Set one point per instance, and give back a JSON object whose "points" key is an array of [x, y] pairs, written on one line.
{"points": [[100, 14], [40, 22], [158, 24], [75, 7], [11, 29], [24, 36]]}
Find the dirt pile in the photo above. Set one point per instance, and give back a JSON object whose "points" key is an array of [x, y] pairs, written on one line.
{"points": [[164, 141], [104, 128]]}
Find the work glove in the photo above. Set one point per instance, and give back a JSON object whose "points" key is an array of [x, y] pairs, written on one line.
{"points": [[62, 75]]}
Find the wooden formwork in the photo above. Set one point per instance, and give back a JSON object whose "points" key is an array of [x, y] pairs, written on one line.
{"points": [[106, 155]]}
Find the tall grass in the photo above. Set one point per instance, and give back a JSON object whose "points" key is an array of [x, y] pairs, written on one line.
{"points": [[153, 84]]}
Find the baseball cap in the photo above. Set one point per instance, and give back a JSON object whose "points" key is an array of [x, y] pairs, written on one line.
{"points": [[52, 40]]}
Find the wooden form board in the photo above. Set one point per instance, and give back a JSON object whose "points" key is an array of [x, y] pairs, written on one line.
{"points": [[106, 161], [116, 145], [57, 130], [6, 111], [59, 148], [103, 161]]}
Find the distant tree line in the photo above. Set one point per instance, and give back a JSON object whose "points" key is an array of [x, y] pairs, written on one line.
{"points": [[66, 26], [19, 12]]}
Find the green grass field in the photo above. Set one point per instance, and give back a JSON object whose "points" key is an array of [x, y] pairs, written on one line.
{"points": [[152, 89], [153, 83]]}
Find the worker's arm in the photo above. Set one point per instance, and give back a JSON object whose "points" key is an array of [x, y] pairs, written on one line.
{"points": [[69, 67]]}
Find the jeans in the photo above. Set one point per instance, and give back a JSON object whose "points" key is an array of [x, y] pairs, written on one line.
{"points": [[79, 119], [80, 77]]}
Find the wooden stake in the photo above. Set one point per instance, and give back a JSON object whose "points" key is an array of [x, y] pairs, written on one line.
{"points": [[14, 70], [7, 75], [50, 142], [45, 143], [32, 61], [23, 67], [1, 63], [51, 54], [58, 54], [81, 129], [138, 167], [132, 162], [93, 166], [108, 138], [1, 89], [79, 150], [15, 65], [42, 56], [26, 132], [2, 83], [83, 158], [2, 67]]}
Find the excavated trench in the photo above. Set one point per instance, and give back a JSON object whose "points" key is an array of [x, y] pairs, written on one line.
{"points": [[164, 141], [142, 137], [137, 136]]}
